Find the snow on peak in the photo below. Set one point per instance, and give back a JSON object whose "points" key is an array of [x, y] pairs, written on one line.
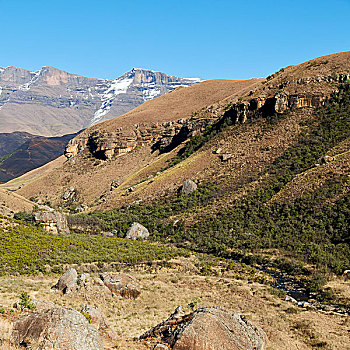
{"points": [[26, 86], [117, 87]]}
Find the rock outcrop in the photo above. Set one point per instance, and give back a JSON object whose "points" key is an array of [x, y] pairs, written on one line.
{"points": [[208, 329], [53, 221], [56, 329], [68, 281], [122, 284], [188, 187], [166, 136], [136, 231]]}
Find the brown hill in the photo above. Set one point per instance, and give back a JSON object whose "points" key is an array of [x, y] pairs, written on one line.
{"points": [[161, 124], [33, 153], [92, 179]]}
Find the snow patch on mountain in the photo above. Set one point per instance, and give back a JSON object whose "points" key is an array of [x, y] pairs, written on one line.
{"points": [[118, 86], [26, 86]]}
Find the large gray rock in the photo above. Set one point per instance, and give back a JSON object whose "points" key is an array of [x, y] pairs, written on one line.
{"points": [[53, 221], [56, 329], [68, 281], [188, 187], [208, 329], [136, 230], [122, 284]]}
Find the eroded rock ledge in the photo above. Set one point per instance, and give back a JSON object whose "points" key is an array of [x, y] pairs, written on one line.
{"points": [[105, 145]]}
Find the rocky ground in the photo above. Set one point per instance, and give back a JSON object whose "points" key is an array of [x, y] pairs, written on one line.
{"points": [[164, 289]]}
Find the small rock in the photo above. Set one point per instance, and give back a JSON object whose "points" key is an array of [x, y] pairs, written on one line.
{"points": [[188, 187], [136, 230], [218, 151], [97, 318], [226, 156], [68, 281], [290, 299], [122, 284], [161, 347], [69, 194]]}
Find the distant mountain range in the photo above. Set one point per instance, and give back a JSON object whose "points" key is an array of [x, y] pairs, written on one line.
{"points": [[51, 102], [22, 152]]}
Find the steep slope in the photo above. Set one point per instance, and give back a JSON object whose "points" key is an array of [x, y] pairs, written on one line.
{"points": [[92, 177], [12, 202], [51, 102], [34, 153], [9, 142]]}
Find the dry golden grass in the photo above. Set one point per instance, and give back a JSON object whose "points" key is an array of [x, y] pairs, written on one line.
{"points": [[12, 202], [286, 325], [33, 174]]}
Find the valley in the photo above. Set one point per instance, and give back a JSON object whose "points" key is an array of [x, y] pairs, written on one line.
{"points": [[240, 189]]}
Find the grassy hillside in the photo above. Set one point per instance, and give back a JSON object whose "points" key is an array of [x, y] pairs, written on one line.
{"points": [[234, 219]]}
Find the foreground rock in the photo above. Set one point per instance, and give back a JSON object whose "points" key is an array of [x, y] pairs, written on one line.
{"points": [[188, 187], [136, 230], [68, 281], [208, 329], [97, 318], [56, 329], [53, 221], [121, 284]]}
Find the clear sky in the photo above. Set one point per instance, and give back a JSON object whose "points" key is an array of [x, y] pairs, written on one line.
{"points": [[206, 39]]}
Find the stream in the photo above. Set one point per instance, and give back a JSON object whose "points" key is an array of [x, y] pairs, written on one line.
{"points": [[298, 295]]}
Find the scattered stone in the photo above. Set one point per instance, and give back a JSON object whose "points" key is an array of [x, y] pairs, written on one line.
{"points": [[136, 230], [84, 279], [161, 347], [56, 329], [107, 234], [122, 284], [291, 299], [114, 185], [68, 281], [81, 207], [54, 221], [70, 194], [206, 329], [97, 318], [226, 156], [327, 159], [218, 151], [188, 187]]}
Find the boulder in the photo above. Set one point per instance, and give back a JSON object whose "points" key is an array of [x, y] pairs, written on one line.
{"points": [[226, 156], [122, 284], [68, 281], [97, 318], [69, 194], [56, 329], [188, 187], [53, 221], [43, 305], [208, 329], [136, 230]]}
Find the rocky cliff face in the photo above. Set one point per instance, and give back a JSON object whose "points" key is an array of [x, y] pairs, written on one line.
{"points": [[165, 136], [52, 102]]}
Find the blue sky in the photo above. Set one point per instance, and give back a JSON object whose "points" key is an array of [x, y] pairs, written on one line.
{"points": [[206, 39]]}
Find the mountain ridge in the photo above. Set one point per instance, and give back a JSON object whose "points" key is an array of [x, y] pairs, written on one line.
{"points": [[52, 102]]}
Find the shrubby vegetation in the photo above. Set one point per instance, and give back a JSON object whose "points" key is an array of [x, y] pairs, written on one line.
{"points": [[28, 249], [314, 228]]}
